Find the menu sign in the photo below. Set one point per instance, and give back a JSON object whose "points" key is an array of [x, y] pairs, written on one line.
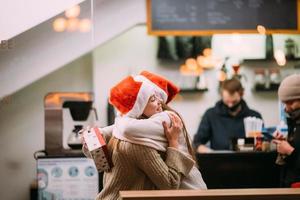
{"points": [[200, 17]]}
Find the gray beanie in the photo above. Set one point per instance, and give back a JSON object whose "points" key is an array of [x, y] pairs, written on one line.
{"points": [[289, 88]]}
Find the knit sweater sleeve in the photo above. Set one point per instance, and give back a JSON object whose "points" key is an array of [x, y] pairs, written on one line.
{"points": [[164, 174], [107, 132], [151, 128]]}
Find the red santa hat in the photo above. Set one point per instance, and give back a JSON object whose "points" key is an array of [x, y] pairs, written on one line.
{"points": [[130, 97], [165, 88]]}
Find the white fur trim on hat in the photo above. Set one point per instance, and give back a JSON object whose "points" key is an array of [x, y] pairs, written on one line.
{"points": [[145, 92], [158, 90]]}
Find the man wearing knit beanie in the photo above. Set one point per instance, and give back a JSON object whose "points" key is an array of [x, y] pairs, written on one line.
{"points": [[290, 88], [289, 150]]}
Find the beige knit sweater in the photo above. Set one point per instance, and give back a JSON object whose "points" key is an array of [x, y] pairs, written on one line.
{"points": [[150, 132], [138, 167]]}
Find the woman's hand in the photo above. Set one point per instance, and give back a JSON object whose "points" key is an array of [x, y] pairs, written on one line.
{"points": [[172, 132], [283, 147], [81, 136], [203, 149]]}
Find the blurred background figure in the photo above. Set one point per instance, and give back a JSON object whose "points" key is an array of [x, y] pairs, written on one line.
{"points": [[289, 157], [225, 121]]}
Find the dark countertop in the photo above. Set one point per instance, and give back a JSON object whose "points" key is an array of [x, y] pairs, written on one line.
{"points": [[239, 169]]}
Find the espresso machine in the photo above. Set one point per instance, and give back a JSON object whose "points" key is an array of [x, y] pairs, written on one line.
{"points": [[66, 113]]}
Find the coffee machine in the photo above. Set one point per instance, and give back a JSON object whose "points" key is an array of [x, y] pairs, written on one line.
{"points": [[66, 113]]}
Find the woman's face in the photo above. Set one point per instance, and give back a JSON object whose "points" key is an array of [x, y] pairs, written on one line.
{"points": [[153, 106]]}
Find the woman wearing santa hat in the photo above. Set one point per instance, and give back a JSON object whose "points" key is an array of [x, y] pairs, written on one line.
{"points": [[147, 129], [139, 167]]}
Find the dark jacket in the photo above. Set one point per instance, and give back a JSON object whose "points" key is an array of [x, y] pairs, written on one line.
{"points": [[291, 170], [219, 127]]}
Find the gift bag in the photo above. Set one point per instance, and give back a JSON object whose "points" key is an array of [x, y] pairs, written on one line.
{"points": [[98, 149]]}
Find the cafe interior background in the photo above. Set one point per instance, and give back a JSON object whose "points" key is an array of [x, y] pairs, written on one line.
{"points": [[47, 50]]}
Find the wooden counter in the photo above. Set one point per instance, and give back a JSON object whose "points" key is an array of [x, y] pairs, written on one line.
{"points": [[218, 194]]}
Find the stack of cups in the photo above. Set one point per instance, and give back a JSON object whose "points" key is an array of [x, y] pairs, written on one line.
{"points": [[253, 127]]}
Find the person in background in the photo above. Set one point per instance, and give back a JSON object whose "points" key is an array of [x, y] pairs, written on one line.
{"points": [[289, 150], [225, 120]]}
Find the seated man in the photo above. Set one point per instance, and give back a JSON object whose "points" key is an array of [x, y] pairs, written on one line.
{"points": [[225, 120]]}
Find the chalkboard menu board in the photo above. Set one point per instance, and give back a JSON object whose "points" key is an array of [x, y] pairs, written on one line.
{"points": [[200, 17]]}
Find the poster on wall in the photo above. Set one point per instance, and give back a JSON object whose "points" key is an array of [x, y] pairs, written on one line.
{"points": [[67, 178]]}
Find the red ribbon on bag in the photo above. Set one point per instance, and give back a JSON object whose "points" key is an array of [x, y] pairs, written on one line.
{"points": [[103, 146], [99, 136]]}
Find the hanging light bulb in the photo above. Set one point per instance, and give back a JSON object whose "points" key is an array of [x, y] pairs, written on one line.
{"points": [[85, 25], [59, 24], [185, 70], [72, 24], [191, 64], [261, 29], [201, 60], [207, 61], [207, 52], [280, 57], [73, 12]]}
